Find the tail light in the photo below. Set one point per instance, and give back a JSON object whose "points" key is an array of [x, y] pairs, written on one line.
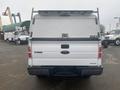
{"points": [[100, 53], [29, 52]]}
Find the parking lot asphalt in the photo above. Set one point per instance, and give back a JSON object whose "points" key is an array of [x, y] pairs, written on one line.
{"points": [[14, 76]]}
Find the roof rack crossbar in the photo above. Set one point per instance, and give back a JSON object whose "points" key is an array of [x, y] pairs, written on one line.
{"points": [[65, 12]]}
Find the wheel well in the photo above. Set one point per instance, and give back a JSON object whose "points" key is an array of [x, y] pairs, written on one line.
{"points": [[117, 38]]}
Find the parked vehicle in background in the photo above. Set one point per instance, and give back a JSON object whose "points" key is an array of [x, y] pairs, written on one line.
{"points": [[8, 36], [17, 33], [113, 37], [20, 37], [65, 43]]}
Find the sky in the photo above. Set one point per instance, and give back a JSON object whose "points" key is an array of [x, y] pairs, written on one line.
{"points": [[108, 8]]}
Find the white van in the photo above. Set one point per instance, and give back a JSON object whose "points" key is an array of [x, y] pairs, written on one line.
{"points": [[65, 43]]}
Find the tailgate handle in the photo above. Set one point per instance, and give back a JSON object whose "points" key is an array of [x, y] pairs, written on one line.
{"points": [[65, 46], [65, 52], [38, 52]]}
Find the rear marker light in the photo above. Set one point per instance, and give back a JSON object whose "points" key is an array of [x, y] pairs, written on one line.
{"points": [[29, 52], [100, 56]]}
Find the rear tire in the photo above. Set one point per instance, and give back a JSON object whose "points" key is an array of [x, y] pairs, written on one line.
{"points": [[7, 40], [87, 76], [18, 42], [38, 76], [117, 42], [41, 76], [105, 44]]}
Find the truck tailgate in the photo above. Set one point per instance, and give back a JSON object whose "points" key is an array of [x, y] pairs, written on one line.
{"points": [[77, 53]]}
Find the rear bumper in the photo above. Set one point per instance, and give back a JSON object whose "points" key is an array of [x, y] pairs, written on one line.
{"points": [[65, 70]]}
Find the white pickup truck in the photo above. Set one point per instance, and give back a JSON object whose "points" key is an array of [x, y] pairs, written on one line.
{"points": [[8, 36], [65, 43], [20, 37]]}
